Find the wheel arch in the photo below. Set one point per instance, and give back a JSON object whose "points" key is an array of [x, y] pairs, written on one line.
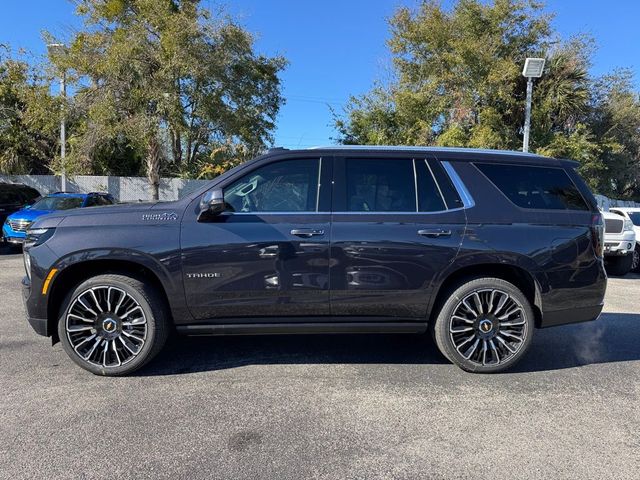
{"points": [[517, 275], [77, 273]]}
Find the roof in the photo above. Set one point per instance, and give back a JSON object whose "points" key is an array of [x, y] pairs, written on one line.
{"points": [[67, 194], [405, 148], [442, 153]]}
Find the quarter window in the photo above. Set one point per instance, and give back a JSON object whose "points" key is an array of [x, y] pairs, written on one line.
{"points": [[286, 186], [545, 188]]}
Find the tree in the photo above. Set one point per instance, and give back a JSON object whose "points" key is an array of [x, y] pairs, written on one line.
{"points": [[29, 118], [458, 83], [170, 82]]}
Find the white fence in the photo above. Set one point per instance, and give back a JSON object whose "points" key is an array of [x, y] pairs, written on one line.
{"points": [[606, 203], [123, 189]]}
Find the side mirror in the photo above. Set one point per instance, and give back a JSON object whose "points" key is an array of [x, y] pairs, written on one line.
{"points": [[212, 203]]}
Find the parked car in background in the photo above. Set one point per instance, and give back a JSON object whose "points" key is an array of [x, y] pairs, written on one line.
{"points": [[14, 197], [16, 225], [479, 247], [632, 215], [619, 243]]}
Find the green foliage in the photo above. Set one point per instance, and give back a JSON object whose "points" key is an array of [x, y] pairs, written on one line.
{"points": [[458, 83], [29, 118], [162, 84]]}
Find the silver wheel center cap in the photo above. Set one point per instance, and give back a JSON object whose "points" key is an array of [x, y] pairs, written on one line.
{"points": [[485, 326]]}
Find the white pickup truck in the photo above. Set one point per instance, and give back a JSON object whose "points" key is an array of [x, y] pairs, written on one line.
{"points": [[632, 214], [619, 243]]}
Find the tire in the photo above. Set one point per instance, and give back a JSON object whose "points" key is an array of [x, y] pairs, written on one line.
{"points": [[113, 325], [619, 266], [635, 261], [484, 342]]}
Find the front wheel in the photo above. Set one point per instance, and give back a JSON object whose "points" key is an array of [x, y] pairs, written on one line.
{"points": [[619, 266], [485, 325], [113, 324], [635, 260]]}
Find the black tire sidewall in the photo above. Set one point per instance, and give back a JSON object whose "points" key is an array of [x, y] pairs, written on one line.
{"points": [[154, 311], [441, 325]]}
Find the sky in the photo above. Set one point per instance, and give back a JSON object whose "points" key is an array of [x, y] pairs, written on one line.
{"points": [[336, 48]]}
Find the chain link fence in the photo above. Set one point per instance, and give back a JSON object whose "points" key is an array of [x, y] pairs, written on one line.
{"points": [[123, 189]]}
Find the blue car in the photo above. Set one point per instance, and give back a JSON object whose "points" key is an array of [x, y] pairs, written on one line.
{"points": [[15, 227]]}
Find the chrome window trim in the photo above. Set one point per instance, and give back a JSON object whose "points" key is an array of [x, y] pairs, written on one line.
{"points": [[415, 183], [444, 200], [467, 199]]}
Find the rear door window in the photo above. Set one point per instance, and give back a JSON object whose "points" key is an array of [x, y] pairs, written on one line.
{"points": [[544, 188], [380, 185]]}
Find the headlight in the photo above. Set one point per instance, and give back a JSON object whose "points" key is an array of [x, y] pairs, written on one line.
{"points": [[628, 224], [37, 236]]}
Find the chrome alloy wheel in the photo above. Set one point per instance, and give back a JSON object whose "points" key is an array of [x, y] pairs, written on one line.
{"points": [[106, 326], [488, 327]]}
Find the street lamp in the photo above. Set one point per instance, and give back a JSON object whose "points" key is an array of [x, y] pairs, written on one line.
{"points": [[533, 68], [53, 49]]}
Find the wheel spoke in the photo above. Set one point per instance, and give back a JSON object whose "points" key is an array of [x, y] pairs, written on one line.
{"points": [[82, 319], [472, 349], [495, 350], [460, 329], [509, 313], [86, 307], [506, 345], [510, 335], [95, 299], [79, 328]]}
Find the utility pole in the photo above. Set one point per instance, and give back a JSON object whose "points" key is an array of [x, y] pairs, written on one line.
{"points": [[533, 68], [63, 132], [57, 49]]}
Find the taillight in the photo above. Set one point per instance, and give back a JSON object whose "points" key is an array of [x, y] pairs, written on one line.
{"points": [[597, 234]]}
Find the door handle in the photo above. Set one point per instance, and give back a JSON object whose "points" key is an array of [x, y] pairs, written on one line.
{"points": [[306, 232], [434, 232]]}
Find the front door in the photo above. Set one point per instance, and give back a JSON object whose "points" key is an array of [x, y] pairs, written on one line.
{"points": [[268, 255], [393, 230]]}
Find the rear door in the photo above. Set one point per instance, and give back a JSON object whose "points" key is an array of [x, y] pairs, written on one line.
{"points": [[393, 230], [267, 257]]}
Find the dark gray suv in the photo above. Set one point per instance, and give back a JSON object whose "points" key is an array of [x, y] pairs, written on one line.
{"points": [[479, 247]]}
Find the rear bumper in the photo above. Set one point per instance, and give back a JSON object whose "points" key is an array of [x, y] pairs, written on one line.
{"points": [[572, 315]]}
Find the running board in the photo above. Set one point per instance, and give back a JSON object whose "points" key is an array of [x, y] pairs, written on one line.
{"points": [[301, 328]]}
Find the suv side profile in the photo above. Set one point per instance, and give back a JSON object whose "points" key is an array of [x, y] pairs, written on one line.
{"points": [[479, 247]]}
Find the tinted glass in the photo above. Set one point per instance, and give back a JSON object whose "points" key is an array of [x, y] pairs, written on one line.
{"points": [[10, 196], [429, 198], [545, 188], [287, 186], [58, 203], [635, 218], [384, 185]]}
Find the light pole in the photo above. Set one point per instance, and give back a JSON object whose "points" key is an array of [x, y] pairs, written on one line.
{"points": [[533, 68], [53, 49]]}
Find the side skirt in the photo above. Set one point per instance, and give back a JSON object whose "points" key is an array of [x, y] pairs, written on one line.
{"points": [[294, 327]]}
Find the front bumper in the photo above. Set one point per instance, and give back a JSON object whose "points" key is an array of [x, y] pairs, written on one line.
{"points": [[40, 325], [11, 236], [618, 248]]}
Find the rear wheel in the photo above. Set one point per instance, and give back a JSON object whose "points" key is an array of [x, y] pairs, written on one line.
{"points": [[619, 266], [113, 325], [485, 325]]}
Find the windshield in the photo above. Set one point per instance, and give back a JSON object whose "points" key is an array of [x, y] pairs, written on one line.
{"points": [[635, 218], [58, 203]]}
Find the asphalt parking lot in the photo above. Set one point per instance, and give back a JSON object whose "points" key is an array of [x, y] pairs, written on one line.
{"points": [[330, 407]]}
